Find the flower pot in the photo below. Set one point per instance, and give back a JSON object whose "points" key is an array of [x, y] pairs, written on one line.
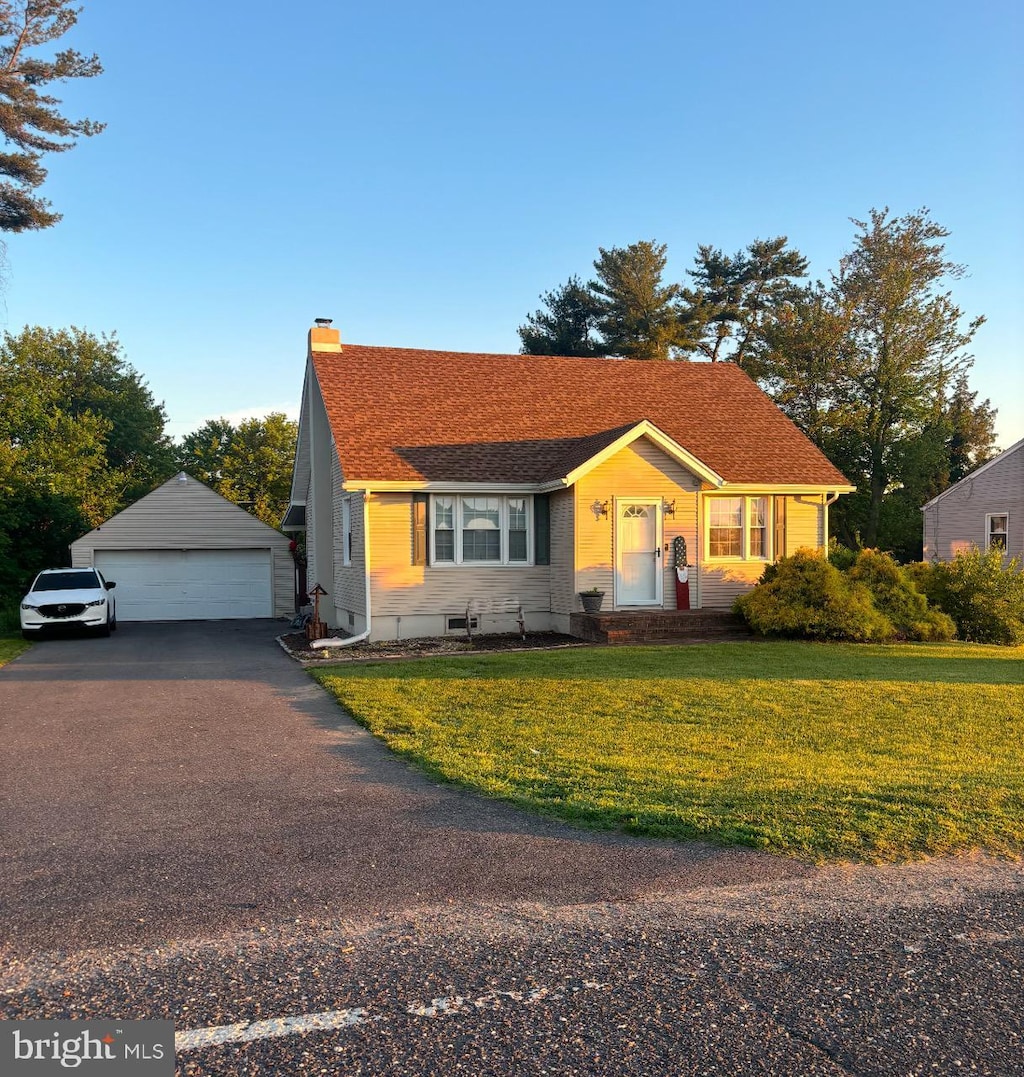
{"points": [[591, 601]]}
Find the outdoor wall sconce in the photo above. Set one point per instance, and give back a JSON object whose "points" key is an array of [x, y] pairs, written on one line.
{"points": [[668, 507], [599, 509]]}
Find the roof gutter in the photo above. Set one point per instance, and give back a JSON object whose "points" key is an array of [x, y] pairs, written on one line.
{"points": [[335, 642]]}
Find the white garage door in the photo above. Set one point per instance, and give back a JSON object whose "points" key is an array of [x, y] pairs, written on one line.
{"points": [[188, 585]]}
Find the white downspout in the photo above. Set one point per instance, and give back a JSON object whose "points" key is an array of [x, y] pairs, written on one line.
{"points": [[350, 641], [830, 499]]}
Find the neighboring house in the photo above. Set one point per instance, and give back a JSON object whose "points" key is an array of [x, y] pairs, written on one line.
{"points": [[429, 480], [184, 553], [984, 509]]}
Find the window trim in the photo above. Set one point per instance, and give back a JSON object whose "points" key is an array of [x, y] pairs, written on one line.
{"points": [[768, 529], [346, 531], [989, 517], [503, 531]]}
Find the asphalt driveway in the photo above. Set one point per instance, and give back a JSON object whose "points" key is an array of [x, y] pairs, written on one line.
{"points": [[180, 779]]}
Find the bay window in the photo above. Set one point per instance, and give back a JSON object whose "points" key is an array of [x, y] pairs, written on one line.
{"points": [[737, 528], [480, 529]]}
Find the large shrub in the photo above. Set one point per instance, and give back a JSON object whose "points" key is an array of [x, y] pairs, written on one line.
{"points": [[841, 556], [983, 595], [895, 595], [807, 597]]}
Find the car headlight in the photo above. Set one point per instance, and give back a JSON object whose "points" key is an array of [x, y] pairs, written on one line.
{"points": [[26, 606], [97, 602]]}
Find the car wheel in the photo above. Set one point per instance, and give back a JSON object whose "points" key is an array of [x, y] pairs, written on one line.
{"points": [[104, 630], [113, 625], [28, 633]]}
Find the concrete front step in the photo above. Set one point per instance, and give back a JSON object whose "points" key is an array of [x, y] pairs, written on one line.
{"points": [[650, 626]]}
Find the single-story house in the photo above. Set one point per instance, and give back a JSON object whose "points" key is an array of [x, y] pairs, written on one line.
{"points": [[984, 510], [184, 553], [430, 483]]}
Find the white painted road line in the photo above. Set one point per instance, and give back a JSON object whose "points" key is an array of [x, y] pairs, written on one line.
{"points": [[246, 1031], [195, 1039]]}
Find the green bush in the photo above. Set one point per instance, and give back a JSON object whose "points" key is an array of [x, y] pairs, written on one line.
{"points": [[983, 595], [841, 556], [807, 597], [10, 623], [895, 595]]}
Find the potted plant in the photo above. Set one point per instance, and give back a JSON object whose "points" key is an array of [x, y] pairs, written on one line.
{"points": [[592, 600]]}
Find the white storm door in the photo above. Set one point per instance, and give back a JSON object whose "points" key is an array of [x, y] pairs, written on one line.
{"points": [[638, 579]]}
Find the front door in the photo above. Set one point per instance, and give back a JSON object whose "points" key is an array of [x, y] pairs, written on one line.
{"points": [[638, 577]]}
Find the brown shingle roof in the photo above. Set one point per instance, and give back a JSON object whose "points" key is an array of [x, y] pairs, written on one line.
{"points": [[406, 414]]}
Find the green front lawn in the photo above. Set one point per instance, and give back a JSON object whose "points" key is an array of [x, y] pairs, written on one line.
{"points": [[821, 751], [11, 648]]}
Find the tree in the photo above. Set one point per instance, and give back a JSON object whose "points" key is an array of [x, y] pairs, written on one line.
{"points": [[735, 296], [567, 326], [202, 452], [30, 120], [250, 464], [258, 466], [637, 315], [970, 431], [870, 367], [80, 438]]}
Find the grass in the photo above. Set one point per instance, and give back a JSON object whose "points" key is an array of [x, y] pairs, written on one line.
{"points": [[876, 753], [11, 645], [11, 648]]}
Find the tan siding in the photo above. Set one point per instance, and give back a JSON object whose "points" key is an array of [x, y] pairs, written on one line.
{"points": [[804, 520], [563, 594], [188, 515], [319, 526], [957, 521], [722, 582], [284, 582], [402, 588], [641, 470], [349, 580]]}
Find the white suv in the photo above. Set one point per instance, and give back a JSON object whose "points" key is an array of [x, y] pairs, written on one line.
{"points": [[68, 596]]}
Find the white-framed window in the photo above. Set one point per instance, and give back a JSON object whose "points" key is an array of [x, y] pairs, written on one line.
{"points": [[480, 529], [997, 527], [738, 529], [346, 531]]}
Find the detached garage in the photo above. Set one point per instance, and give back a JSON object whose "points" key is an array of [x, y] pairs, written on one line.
{"points": [[184, 553]]}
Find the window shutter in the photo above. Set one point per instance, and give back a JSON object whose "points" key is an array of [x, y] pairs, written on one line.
{"points": [[779, 547], [420, 555], [542, 529]]}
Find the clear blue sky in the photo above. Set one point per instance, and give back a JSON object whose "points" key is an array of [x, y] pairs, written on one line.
{"points": [[421, 172]]}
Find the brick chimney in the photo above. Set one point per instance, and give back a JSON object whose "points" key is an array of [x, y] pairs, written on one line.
{"points": [[322, 338]]}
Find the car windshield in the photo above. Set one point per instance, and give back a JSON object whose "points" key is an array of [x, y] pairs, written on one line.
{"points": [[65, 581]]}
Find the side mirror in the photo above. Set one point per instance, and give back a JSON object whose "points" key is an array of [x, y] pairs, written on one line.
{"points": [[110, 585]]}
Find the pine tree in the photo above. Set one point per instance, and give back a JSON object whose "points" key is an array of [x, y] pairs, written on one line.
{"points": [[734, 297], [637, 315], [30, 119], [567, 326]]}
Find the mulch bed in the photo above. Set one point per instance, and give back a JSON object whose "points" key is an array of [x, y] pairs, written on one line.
{"points": [[298, 646]]}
